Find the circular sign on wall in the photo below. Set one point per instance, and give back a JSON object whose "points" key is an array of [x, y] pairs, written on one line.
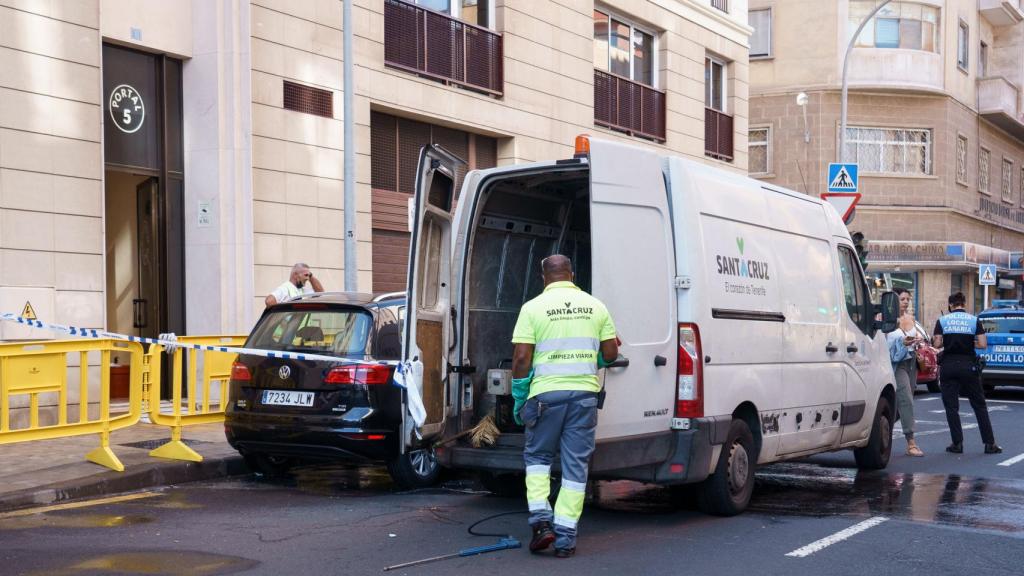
{"points": [[126, 108]]}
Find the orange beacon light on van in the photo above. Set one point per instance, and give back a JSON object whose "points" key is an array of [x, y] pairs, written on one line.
{"points": [[582, 146]]}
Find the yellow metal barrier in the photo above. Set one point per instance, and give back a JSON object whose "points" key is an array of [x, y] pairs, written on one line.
{"points": [[37, 368], [196, 388]]}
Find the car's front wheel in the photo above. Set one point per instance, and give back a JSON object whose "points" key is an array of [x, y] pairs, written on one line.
{"points": [[875, 455], [415, 469]]}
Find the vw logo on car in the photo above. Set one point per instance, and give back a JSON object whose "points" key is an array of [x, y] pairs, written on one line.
{"points": [[284, 372]]}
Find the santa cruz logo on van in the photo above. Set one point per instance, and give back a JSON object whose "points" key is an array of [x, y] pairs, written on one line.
{"points": [[742, 267]]}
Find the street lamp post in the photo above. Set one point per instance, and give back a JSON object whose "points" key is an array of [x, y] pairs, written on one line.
{"points": [[846, 61]]}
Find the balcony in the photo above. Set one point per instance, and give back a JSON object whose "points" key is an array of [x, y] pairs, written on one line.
{"points": [[722, 5], [631, 107], [999, 103], [1001, 12], [718, 134], [437, 46]]}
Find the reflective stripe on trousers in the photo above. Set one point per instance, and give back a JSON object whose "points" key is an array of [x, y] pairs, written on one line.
{"points": [[566, 427]]}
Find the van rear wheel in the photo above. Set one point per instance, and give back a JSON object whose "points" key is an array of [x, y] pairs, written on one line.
{"points": [[875, 455], [727, 491]]}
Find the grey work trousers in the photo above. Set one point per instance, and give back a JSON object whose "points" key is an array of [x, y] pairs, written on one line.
{"points": [[906, 381], [565, 420]]}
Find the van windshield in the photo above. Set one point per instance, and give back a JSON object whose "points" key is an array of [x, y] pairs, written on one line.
{"points": [[331, 331], [1003, 324]]}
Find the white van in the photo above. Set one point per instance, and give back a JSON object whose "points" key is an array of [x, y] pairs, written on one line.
{"points": [[748, 335]]}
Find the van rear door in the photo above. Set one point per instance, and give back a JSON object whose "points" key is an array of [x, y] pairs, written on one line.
{"points": [[427, 321], [633, 269]]}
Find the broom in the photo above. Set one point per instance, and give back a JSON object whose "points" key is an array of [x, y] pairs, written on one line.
{"points": [[485, 433]]}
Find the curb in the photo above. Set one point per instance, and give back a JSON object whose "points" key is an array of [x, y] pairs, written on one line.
{"points": [[157, 474]]}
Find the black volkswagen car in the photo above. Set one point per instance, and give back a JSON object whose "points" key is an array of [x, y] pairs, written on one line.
{"points": [[283, 411]]}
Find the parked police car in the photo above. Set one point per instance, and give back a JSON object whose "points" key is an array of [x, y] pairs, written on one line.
{"points": [[1004, 356]]}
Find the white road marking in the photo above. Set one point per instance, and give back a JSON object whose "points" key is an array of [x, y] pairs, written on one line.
{"points": [[943, 430], [929, 399], [837, 537], [1012, 461]]}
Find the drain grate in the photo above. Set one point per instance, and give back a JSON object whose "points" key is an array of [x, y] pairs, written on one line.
{"points": [[153, 444]]}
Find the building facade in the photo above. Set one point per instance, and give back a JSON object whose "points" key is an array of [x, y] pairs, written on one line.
{"points": [[164, 163], [934, 123]]}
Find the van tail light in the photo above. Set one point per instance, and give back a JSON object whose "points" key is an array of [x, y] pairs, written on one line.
{"points": [[690, 374], [240, 372], [359, 374]]}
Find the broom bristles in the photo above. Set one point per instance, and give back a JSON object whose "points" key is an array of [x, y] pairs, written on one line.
{"points": [[485, 433]]}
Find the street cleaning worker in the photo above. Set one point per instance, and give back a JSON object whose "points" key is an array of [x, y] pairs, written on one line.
{"points": [[561, 338], [958, 334]]}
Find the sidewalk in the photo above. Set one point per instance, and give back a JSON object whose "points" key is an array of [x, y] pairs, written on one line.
{"points": [[46, 472]]}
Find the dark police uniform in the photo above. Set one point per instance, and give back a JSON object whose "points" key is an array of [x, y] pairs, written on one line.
{"points": [[961, 372]]}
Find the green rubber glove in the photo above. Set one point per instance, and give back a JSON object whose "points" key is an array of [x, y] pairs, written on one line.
{"points": [[601, 363], [520, 392]]}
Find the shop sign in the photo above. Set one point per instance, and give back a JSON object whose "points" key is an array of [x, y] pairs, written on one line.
{"points": [[1006, 284], [127, 109], [886, 251]]}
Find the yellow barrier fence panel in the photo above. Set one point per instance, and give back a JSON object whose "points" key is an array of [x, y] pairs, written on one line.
{"points": [[197, 385], [37, 368]]}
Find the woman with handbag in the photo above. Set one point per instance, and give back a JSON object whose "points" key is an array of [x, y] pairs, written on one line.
{"points": [[902, 343]]}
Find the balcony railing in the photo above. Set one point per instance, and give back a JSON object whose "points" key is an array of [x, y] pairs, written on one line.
{"points": [[722, 5], [717, 134], [635, 108], [438, 46]]}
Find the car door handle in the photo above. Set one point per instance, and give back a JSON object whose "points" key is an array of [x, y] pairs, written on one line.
{"points": [[851, 348], [831, 348]]}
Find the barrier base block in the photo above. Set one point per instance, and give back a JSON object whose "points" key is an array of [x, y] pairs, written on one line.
{"points": [[104, 456], [176, 450]]}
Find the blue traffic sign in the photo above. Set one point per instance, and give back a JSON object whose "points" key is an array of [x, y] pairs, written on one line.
{"points": [[987, 274], [842, 177]]}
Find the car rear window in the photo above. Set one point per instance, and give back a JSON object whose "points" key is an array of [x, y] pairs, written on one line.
{"points": [[1004, 324], [330, 331]]}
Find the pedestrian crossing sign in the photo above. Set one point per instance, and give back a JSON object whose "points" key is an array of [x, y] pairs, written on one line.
{"points": [[842, 177], [987, 274]]}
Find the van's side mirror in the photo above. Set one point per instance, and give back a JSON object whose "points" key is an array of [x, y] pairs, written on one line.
{"points": [[890, 310]]}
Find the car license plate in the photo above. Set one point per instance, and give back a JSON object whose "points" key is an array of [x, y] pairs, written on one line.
{"points": [[1001, 348], [287, 398]]}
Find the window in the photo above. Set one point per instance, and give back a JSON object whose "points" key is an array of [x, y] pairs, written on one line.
{"points": [[714, 84], [901, 151], [906, 25], [1007, 181], [759, 145], [855, 290], [473, 11], [961, 159], [1021, 183], [983, 60], [983, 165], [761, 39], [623, 49], [962, 36]]}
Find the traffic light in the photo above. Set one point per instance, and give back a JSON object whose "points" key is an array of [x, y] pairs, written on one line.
{"points": [[860, 243]]}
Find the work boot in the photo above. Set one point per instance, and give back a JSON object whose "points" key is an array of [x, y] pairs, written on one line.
{"points": [[955, 448], [565, 552], [993, 448], [543, 536]]}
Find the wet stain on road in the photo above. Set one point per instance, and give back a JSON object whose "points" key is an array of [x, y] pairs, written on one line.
{"points": [[157, 562], [66, 520], [809, 490]]}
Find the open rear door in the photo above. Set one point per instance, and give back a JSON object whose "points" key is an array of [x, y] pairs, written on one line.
{"points": [[428, 321], [633, 267]]}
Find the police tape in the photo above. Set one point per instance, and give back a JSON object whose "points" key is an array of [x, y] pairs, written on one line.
{"points": [[171, 344]]}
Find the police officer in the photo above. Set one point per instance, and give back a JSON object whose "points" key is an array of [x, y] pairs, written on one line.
{"points": [[561, 339], [958, 334]]}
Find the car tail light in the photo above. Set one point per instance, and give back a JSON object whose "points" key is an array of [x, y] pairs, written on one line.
{"points": [[240, 372], [690, 385], [359, 374]]}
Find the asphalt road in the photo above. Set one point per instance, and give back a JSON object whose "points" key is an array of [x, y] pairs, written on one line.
{"points": [[942, 514]]}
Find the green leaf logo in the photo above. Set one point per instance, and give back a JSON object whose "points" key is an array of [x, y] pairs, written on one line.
{"points": [[739, 244]]}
